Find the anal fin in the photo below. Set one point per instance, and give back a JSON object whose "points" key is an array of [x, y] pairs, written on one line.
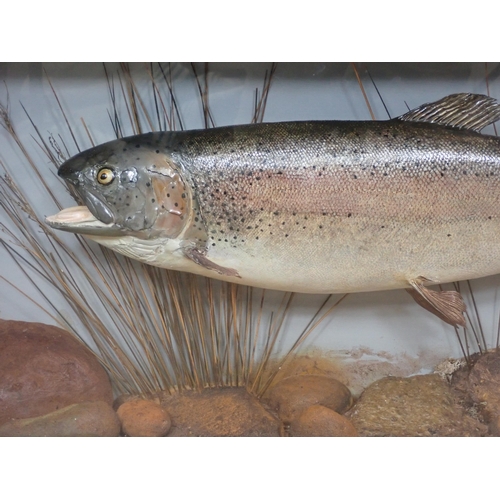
{"points": [[446, 305], [198, 257]]}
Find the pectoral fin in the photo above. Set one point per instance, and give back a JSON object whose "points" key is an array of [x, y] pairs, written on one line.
{"points": [[198, 257], [446, 305]]}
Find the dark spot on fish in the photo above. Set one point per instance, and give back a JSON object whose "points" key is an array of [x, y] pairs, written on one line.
{"points": [[385, 173], [355, 176], [448, 235], [157, 151], [321, 227], [168, 195], [349, 215], [464, 172], [148, 184], [489, 217], [382, 227], [137, 145]]}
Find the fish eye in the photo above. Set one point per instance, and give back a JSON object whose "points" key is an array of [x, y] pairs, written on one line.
{"points": [[105, 176]]}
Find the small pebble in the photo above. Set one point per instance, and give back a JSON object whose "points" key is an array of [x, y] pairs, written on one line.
{"points": [[319, 421], [143, 418], [291, 396]]}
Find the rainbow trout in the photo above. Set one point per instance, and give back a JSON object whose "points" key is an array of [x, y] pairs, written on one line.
{"points": [[315, 207]]}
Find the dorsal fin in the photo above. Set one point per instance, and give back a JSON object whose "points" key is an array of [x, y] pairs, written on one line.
{"points": [[468, 111]]}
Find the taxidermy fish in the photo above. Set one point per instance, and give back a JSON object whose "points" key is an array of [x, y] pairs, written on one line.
{"points": [[315, 207]]}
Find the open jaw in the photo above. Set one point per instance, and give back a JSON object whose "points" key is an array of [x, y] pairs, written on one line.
{"points": [[80, 220]]}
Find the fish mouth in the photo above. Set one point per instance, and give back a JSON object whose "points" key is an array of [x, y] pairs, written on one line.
{"points": [[80, 220]]}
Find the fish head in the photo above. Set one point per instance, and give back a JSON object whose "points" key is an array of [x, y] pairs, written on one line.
{"points": [[128, 188]]}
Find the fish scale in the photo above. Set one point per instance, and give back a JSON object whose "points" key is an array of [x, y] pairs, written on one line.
{"points": [[317, 207]]}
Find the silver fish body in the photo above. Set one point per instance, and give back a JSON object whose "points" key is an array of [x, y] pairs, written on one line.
{"points": [[317, 207]]}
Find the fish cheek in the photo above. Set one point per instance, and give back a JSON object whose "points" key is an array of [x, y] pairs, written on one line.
{"points": [[174, 204]]}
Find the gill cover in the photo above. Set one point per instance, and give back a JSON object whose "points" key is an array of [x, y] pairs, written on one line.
{"points": [[173, 200]]}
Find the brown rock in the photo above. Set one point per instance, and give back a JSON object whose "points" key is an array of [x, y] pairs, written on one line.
{"points": [[123, 398], [90, 419], [484, 385], [43, 368], [494, 426], [423, 405], [319, 421], [142, 418], [219, 412], [291, 396]]}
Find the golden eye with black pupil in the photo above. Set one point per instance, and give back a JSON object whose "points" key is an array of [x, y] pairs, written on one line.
{"points": [[105, 176]]}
